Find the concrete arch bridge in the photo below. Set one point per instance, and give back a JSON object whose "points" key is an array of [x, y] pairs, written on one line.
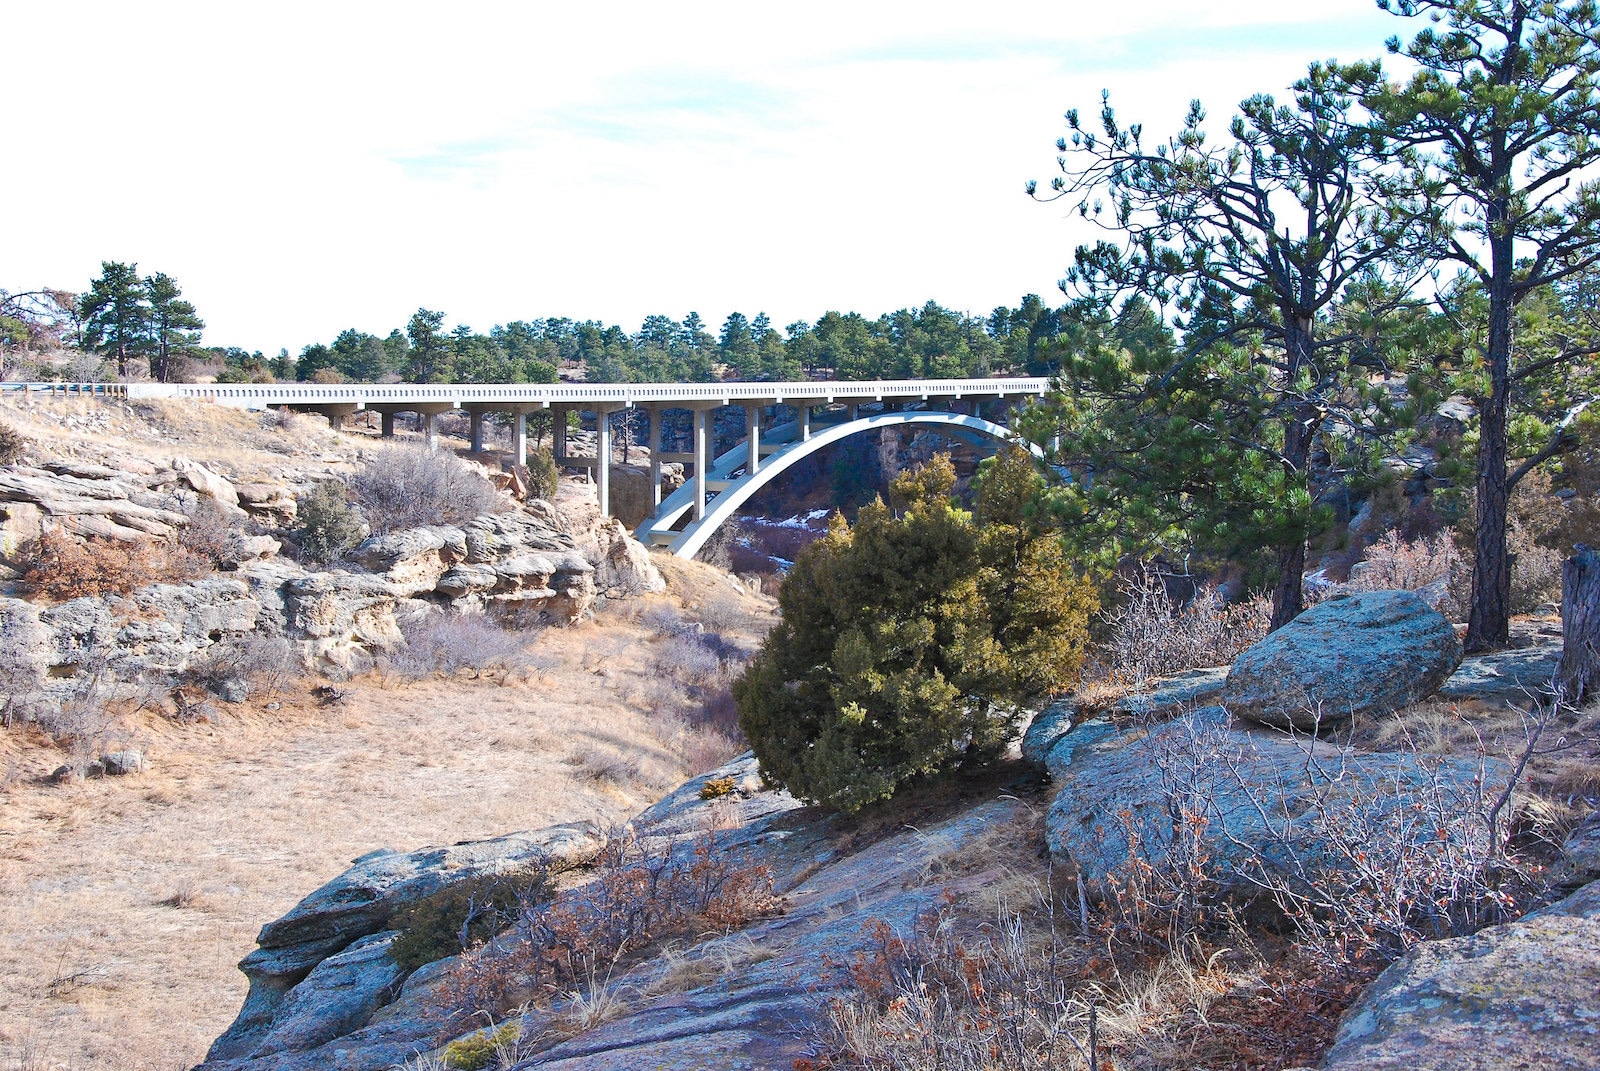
{"points": [[823, 412]]}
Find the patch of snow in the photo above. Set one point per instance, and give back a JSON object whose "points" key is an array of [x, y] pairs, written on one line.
{"points": [[805, 520]]}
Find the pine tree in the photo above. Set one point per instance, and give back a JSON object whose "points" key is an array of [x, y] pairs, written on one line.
{"points": [[1505, 105], [116, 313], [174, 326]]}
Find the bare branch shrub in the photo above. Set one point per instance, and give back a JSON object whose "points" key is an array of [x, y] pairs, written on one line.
{"points": [[1365, 864], [644, 891], [1152, 635], [939, 999], [61, 568], [407, 487], [451, 644], [206, 534], [693, 710], [1393, 563], [264, 664]]}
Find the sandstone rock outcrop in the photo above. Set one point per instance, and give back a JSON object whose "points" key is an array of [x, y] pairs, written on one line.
{"points": [[206, 482], [1520, 995], [342, 617], [88, 500], [1354, 654]]}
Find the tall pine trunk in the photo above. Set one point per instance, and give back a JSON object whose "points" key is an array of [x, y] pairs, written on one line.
{"points": [[1489, 623], [1288, 595], [1579, 673]]}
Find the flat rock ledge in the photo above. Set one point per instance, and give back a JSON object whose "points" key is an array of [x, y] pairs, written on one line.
{"points": [[750, 1000], [327, 943]]}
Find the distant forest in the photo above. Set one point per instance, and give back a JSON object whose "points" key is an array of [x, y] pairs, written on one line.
{"points": [[931, 342]]}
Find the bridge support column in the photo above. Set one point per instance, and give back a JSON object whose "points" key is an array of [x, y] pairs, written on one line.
{"points": [[519, 439], [851, 411], [386, 424], [752, 430], [430, 430], [702, 460], [334, 413], [803, 412], [655, 459], [602, 468], [476, 418], [558, 433]]}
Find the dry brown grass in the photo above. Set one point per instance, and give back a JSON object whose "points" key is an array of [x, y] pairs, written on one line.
{"points": [[129, 901]]}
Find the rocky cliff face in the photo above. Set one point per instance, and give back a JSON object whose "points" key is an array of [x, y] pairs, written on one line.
{"points": [[548, 562]]}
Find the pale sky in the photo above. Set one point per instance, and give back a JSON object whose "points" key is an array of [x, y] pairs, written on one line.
{"points": [[304, 168]]}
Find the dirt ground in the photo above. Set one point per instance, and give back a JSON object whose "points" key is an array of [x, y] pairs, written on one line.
{"points": [[129, 901]]}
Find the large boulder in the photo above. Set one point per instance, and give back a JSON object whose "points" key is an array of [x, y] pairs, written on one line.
{"points": [[1521, 995], [1354, 654], [1267, 803], [206, 482], [358, 904]]}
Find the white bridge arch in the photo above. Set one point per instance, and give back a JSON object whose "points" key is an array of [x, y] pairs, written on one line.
{"points": [[735, 481]]}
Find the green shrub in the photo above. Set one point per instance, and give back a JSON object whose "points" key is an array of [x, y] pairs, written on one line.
{"points": [[543, 477], [716, 788], [432, 928], [328, 523], [909, 644], [476, 1051]]}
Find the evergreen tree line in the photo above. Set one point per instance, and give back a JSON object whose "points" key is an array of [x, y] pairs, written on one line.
{"points": [[931, 342]]}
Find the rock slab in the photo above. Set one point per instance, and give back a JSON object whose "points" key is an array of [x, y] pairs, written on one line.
{"points": [[1266, 800], [1523, 995]]}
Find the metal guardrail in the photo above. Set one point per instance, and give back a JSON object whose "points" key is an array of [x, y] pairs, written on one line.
{"points": [[253, 395], [69, 390]]}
